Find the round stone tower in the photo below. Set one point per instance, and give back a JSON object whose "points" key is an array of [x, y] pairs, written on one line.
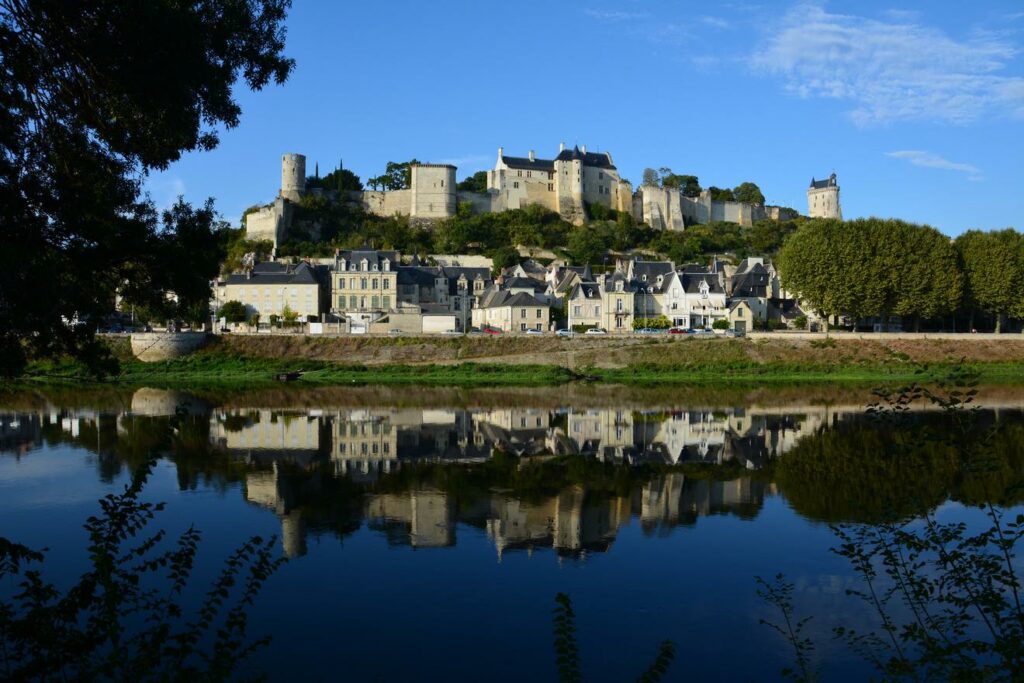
{"points": [[293, 176]]}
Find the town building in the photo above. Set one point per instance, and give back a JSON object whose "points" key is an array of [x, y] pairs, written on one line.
{"points": [[364, 286], [274, 289], [510, 312]]}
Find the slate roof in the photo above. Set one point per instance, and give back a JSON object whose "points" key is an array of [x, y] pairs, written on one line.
{"points": [[647, 272], [372, 257], [499, 298], [691, 283], [272, 273], [416, 275], [527, 165], [523, 283], [612, 281], [595, 159], [590, 290], [453, 273], [822, 184]]}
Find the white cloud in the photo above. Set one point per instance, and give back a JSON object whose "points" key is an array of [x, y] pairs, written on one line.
{"points": [[892, 71], [919, 157], [716, 22], [614, 15]]}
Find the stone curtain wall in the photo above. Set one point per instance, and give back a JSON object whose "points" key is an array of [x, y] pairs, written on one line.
{"points": [[150, 347]]}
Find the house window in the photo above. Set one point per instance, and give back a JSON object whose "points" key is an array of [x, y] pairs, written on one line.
{"points": [[597, 310], [385, 302], [618, 305], [362, 283], [529, 174], [519, 173], [538, 328], [522, 327], [618, 322], [538, 312], [600, 175], [577, 310], [387, 283], [522, 313], [551, 187], [515, 186], [375, 283], [362, 302], [341, 283], [352, 302]]}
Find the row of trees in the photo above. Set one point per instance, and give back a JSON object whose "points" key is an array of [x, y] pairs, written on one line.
{"points": [[870, 267], [689, 186]]}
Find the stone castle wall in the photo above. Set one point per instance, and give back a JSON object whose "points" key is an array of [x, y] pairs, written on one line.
{"points": [[150, 347]]}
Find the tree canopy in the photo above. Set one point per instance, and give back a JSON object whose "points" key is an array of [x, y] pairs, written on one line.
{"points": [[396, 176], [748, 192], [339, 180], [95, 94], [871, 266], [993, 266], [474, 183]]}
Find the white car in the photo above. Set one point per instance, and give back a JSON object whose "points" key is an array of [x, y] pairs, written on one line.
{"points": [[564, 333], [596, 330], [535, 332]]}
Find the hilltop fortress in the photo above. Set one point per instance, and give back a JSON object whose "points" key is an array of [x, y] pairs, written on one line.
{"points": [[566, 184]]}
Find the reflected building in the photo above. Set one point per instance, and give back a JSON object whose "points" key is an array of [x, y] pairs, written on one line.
{"points": [[422, 518]]}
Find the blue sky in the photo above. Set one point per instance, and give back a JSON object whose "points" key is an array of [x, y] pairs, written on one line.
{"points": [[917, 106]]}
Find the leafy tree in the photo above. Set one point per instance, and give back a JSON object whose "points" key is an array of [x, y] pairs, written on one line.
{"points": [[687, 184], [340, 179], [651, 178], [82, 122], [125, 618], [720, 195], [396, 176], [474, 183], [289, 316], [504, 257], [748, 192], [993, 266], [233, 312], [586, 246]]}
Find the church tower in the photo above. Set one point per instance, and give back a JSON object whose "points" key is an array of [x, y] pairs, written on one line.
{"points": [[823, 198]]}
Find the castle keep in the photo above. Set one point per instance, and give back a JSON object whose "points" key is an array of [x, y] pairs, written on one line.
{"points": [[566, 184]]}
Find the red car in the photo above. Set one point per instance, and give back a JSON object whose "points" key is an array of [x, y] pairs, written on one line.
{"points": [[490, 330], [678, 330]]}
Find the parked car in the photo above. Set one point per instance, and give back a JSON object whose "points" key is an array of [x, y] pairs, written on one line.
{"points": [[456, 332], [535, 332], [678, 330], [491, 330], [703, 333], [395, 333], [734, 333], [596, 330], [650, 330], [564, 333]]}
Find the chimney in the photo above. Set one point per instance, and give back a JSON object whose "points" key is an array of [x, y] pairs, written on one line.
{"points": [[561, 146], [583, 148], [531, 155], [501, 152]]}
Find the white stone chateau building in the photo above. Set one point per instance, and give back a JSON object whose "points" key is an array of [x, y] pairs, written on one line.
{"points": [[574, 179]]}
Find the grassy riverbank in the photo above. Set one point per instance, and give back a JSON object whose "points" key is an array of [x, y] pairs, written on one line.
{"points": [[519, 361]]}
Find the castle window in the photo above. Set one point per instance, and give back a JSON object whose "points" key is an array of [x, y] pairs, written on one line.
{"points": [[529, 174], [515, 186], [442, 183], [520, 173], [551, 187]]}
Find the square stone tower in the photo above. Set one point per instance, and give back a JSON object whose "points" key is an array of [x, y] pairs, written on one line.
{"points": [[823, 199]]}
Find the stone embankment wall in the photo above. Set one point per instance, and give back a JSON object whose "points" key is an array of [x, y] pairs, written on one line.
{"points": [[157, 346]]}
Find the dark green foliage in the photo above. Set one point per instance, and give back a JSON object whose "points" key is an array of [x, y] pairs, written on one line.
{"points": [[946, 598], [233, 312], [474, 183], [88, 107], [871, 267], [504, 257], [567, 656], [993, 266], [720, 195], [123, 619], [659, 323], [748, 192], [396, 176], [339, 180], [720, 325]]}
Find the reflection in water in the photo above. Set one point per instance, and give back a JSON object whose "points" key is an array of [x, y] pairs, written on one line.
{"points": [[416, 474]]}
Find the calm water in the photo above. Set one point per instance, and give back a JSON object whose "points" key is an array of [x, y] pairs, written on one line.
{"points": [[428, 531]]}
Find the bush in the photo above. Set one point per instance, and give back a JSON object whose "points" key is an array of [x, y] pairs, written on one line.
{"points": [[720, 324], [800, 322], [232, 312]]}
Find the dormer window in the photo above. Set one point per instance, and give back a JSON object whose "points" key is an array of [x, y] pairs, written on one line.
{"points": [[364, 265], [387, 264]]}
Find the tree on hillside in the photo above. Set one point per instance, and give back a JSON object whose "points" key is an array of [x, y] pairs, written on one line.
{"points": [[720, 195], [95, 94], [586, 246], [338, 180], [396, 176], [474, 183], [687, 184], [651, 178], [993, 265], [749, 193]]}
